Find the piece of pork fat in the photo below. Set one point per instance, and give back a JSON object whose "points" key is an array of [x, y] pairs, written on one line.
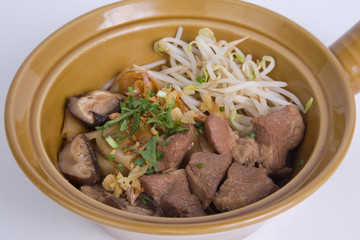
{"points": [[276, 133], [174, 150], [243, 186], [171, 192], [245, 150], [217, 132], [205, 172]]}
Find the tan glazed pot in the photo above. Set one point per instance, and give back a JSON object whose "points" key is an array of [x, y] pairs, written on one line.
{"points": [[90, 50]]}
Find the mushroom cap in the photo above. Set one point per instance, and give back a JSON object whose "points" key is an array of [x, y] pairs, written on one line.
{"points": [[94, 108], [78, 163]]}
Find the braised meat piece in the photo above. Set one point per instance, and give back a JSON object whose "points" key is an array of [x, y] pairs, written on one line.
{"points": [[281, 128], [175, 149], [276, 133], [171, 192], [217, 132], [243, 186], [205, 172]]}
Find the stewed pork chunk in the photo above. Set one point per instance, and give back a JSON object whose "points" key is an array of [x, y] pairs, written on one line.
{"points": [[243, 186], [276, 134], [205, 172]]}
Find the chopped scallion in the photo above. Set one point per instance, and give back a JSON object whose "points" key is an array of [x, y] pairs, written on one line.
{"points": [[309, 104], [111, 142], [139, 162], [145, 200], [301, 163], [161, 94], [252, 134], [120, 165], [200, 79], [111, 157]]}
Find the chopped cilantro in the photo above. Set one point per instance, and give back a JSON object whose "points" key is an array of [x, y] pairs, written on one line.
{"points": [[131, 119], [150, 151], [150, 171], [200, 127], [164, 120], [124, 125]]}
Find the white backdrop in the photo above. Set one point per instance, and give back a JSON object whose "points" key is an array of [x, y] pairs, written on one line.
{"points": [[26, 213]]}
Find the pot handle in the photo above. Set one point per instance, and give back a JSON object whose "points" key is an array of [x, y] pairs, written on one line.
{"points": [[347, 51]]}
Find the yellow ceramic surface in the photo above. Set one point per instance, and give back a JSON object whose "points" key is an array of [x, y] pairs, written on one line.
{"points": [[90, 50]]}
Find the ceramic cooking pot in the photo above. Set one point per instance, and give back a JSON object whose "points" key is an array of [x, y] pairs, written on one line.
{"points": [[90, 50]]}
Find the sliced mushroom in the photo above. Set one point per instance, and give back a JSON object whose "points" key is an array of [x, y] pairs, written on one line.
{"points": [[143, 205], [99, 194], [77, 161], [95, 107]]}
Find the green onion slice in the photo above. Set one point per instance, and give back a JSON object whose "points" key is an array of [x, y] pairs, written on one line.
{"points": [[111, 142]]}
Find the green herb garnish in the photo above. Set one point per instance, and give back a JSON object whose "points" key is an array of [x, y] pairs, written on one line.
{"points": [[164, 121], [301, 163], [222, 109], [252, 134], [111, 157], [150, 171], [145, 200], [309, 104], [200, 127], [124, 125], [131, 118], [111, 142], [120, 165], [139, 162], [200, 165], [200, 79], [165, 143], [150, 152]]}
